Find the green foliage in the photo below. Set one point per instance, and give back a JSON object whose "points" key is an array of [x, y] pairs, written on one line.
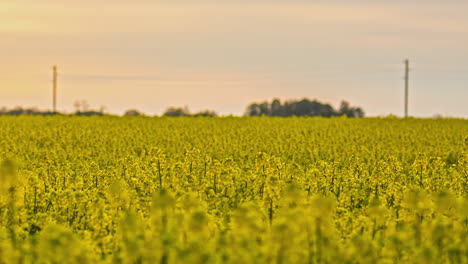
{"points": [[303, 107], [184, 111], [233, 190]]}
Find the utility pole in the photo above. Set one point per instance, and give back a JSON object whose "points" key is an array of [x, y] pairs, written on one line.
{"points": [[406, 86], [54, 92]]}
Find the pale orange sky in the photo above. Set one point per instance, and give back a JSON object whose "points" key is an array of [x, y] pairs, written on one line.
{"points": [[223, 54]]}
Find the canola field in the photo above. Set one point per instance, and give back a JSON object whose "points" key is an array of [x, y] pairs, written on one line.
{"points": [[233, 190]]}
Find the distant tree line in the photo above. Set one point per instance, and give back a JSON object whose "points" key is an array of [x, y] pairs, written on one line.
{"points": [[184, 111], [82, 109], [24, 111], [174, 111], [304, 107], [171, 111], [34, 111]]}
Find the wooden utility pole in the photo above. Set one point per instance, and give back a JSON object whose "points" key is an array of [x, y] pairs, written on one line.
{"points": [[54, 92], [406, 86]]}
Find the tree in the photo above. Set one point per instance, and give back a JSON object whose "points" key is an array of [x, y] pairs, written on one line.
{"points": [[177, 111], [346, 109], [253, 110], [358, 112], [276, 108], [206, 113], [132, 112], [81, 105], [89, 113], [303, 107]]}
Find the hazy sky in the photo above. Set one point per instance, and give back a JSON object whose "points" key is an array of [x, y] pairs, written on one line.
{"points": [[222, 55]]}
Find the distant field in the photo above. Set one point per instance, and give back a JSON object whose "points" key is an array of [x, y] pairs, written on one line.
{"points": [[233, 190]]}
